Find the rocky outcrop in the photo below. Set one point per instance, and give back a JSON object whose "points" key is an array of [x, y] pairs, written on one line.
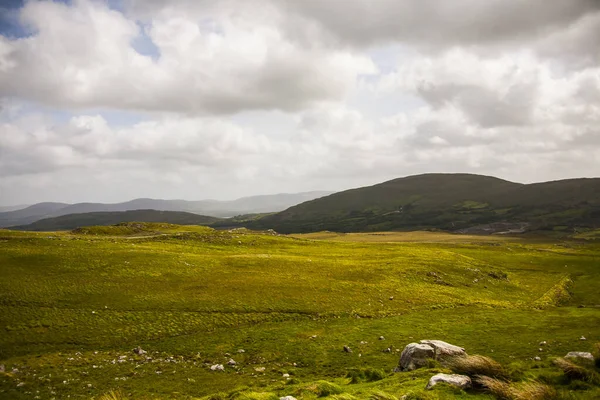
{"points": [[460, 381], [415, 355]]}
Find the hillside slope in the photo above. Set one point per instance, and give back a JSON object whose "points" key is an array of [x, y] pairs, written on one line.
{"points": [[72, 221], [445, 201]]}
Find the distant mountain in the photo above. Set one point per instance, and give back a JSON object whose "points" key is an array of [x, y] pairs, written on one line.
{"points": [[72, 221], [29, 214], [13, 208], [445, 201], [215, 208]]}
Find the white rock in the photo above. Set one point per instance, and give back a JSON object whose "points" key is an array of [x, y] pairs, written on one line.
{"points": [[582, 338], [443, 349], [580, 354], [287, 398], [231, 362], [286, 375], [259, 369], [415, 356], [217, 367], [460, 381]]}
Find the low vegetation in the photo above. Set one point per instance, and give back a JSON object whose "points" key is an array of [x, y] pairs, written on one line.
{"points": [[74, 305]]}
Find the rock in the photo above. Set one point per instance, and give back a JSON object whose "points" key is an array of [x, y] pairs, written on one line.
{"points": [[347, 349], [460, 381], [543, 343], [259, 369], [582, 338], [580, 354], [444, 350], [231, 362], [287, 398], [415, 355], [540, 349], [21, 384], [388, 350], [241, 351], [537, 358], [217, 367], [139, 351], [286, 375], [381, 338], [391, 297]]}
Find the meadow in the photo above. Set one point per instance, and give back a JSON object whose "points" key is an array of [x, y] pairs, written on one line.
{"points": [[73, 306]]}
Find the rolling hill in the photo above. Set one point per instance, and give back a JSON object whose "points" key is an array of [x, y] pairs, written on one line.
{"points": [[72, 221], [215, 208], [448, 202]]}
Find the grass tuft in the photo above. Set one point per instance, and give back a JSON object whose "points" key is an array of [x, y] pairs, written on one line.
{"points": [[113, 395], [596, 353], [323, 388], [525, 391], [382, 396], [477, 365], [576, 372]]}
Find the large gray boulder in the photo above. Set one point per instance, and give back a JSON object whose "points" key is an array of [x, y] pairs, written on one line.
{"points": [[460, 381], [580, 355], [415, 355], [443, 350]]}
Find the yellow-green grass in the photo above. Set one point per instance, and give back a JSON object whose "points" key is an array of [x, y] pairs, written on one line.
{"points": [[69, 301]]}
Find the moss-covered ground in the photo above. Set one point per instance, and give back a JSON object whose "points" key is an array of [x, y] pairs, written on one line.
{"points": [[73, 305]]}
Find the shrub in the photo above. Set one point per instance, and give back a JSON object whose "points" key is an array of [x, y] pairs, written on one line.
{"points": [[574, 371], [477, 365]]}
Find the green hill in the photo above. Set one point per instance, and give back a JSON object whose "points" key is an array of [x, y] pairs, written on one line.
{"points": [[72, 221], [446, 201]]}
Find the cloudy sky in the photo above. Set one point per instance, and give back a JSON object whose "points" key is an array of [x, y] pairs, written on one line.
{"points": [[112, 100]]}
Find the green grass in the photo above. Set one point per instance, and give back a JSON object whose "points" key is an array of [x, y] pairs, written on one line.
{"points": [[74, 305]]}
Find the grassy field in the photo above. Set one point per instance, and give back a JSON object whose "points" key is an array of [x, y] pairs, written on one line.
{"points": [[73, 305]]}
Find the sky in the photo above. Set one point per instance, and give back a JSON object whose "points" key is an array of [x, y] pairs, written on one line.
{"points": [[106, 101]]}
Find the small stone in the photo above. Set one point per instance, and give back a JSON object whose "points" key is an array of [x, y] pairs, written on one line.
{"points": [[460, 381], [231, 362], [313, 337], [537, 358], [241, 351], [139, 351], [259, 369], [582, 338], [217, 367], [227, 355], [540, 349], [363, 342], [20, 384], [388, 350], [286, 375], [381, 338], [287, 398], [543, 343], [391, 297], [347, 349]]}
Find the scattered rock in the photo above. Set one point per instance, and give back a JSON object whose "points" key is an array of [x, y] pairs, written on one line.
{"points": [[415, 355], [391, 297], [540, 349], [363, 342], [460, 381], [287, 398], [286, 375], [580, 354], [543, 343], [241, 351], [388, 350], [139, 351], [537, 358], [381, 338], [217, 367], [20, 384], [347, 349], [444, 350], [582, 338], [259, 369], [231, 362], [313, 337]]}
